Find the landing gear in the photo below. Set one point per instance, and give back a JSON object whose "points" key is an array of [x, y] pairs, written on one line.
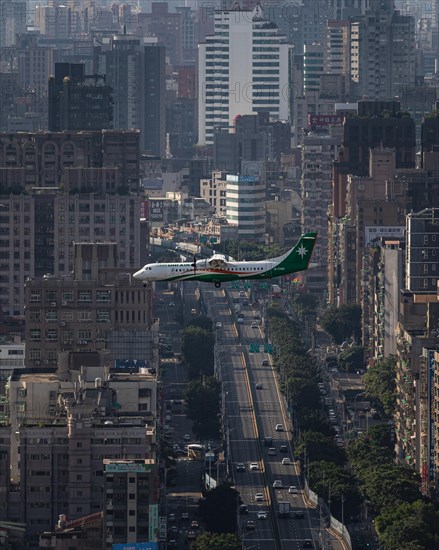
{"points": [[217, 284], [144, 285]]}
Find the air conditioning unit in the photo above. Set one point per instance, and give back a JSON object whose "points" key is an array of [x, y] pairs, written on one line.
{"points": [[64, 302], [63, 324], [46, 361], [52, 304], [64, 342], [37, 362]]}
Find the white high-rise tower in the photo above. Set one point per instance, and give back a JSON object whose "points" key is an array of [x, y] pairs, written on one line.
{"points": [[243, 69]]}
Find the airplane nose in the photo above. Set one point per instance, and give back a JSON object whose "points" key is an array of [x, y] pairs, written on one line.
{"points": [[138, 274]]}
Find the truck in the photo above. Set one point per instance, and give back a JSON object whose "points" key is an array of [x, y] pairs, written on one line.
{"points": [[284, 509]]}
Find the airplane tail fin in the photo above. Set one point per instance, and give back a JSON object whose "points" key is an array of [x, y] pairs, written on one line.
{"points": [[298, 258]]}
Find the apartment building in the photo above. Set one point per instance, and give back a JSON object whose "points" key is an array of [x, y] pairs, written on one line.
{"points": [[318, 154], [60, 462], [213, 191], [382, 51], [131, 505], [87, 311], [106, 161]]}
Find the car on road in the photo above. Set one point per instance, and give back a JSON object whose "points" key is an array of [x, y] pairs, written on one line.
{"points": [[292, 489], [279, 427], [240, 467], [194, 524], [261, 515], [171, 517], [243, 509], [307, 543], [265, 363], [259, 386], [171, 304], [218, 325], [191, 535], [250, 525], [241, 293], [277, 484], [259, 497], [254, 466], [172, 543], [272, 451], [254, 324], [245, 302], [286, 461], [299, 515], [184, 516], [283, 449], [186, 437], [168, 418]]}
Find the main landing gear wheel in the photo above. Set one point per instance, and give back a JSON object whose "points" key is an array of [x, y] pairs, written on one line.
{"points": [[144, 285], [217, 284]]}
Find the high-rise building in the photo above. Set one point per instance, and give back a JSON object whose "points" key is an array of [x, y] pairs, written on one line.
{"points": [[136, 73], [168, 28], [78, 101], [337, 48], [243, 69], [318, 154], [422, 251], [87, 311], [131, 509], [12, 21], [313, 66], [383, 53], [245, 206]]}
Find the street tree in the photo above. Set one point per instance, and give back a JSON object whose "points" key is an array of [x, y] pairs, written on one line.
{"points": [[351, 359], [216, 541], [343, 322], [203, 399], [219, 509], [334, 482], [410, 526], [197, 349], [380, 380]]}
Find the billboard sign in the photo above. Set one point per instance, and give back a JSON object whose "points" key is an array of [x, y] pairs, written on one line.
{"points": [[325, 120], [156, 211], [127, 467], [153, 524]]}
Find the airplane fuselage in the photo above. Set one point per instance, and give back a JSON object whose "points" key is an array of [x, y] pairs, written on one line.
{"points": [[185, 271], [218, 269]]}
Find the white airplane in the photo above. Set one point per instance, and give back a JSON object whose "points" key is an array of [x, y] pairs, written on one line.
{"points": [[218, 269]]}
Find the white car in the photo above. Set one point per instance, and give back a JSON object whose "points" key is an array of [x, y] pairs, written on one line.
{"points": [[259, 497], [286, 461], [279, 427], [277, 484], [218, 325], [261, 515], [292, 489], [254, 466]]}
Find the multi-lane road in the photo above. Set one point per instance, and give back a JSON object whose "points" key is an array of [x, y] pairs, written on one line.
{"points": [[252, 407]]}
